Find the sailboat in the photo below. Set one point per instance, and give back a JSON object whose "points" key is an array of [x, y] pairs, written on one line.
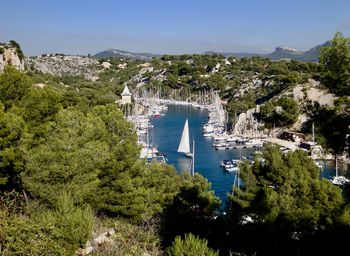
{"points": [[339, 180], [184, 146]]}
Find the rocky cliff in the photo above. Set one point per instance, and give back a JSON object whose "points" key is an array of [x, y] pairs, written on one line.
{"points": [[60, 65], [9, 55]]}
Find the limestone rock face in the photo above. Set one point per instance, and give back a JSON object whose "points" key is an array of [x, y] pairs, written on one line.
{"points": [[9, 56], [60, 65]]}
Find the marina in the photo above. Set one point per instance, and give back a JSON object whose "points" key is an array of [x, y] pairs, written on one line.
{"points": [[165, 132], [167, 128], [166, 135]]}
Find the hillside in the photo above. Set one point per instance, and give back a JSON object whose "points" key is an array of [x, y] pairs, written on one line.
{"points": [[72, 181], [285, 52], [281, 52], [65, 65], [113, 53], [314, 53]]}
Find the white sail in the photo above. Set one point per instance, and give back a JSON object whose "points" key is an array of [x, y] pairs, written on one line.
{"points": [[184, 145]]}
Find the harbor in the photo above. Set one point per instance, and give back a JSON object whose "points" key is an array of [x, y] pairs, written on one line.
{"points": [[160, 128], [166, 135]]}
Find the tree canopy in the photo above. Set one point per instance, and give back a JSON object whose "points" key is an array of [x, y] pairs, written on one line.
{"points": [[281, 112], [335, 63], [284, 202], [13, 86], [287, 189]]}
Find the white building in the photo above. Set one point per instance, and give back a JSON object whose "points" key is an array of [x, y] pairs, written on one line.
{"points": [[126, 96]]}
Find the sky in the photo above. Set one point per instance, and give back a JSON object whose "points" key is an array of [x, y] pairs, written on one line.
{"points": [[171, 26]]}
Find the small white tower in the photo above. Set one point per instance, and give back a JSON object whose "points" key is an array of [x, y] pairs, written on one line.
{"points": [[126, 96]]}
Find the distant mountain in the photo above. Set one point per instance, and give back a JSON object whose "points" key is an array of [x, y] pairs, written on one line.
{"points": [[314, 53], [234, 54], [113, 53], [283, 52]]}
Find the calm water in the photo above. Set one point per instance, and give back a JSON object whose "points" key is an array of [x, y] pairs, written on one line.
{"points": [[166, 136]]}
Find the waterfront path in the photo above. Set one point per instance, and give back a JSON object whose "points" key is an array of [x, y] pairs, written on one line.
{"points": [[283, 143]]}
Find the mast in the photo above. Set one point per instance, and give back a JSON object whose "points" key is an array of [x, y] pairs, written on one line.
{"points": [[193, 158], [147, 141], [336, 165], [313, 134], [313, 142]]}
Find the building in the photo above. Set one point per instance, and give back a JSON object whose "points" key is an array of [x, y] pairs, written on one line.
{"points": [[292, 136], [126, 96]]}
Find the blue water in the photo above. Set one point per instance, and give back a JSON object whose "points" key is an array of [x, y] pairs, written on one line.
{"points": [[166, 135], [328, 170]]}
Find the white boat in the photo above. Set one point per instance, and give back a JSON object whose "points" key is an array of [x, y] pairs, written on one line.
{"points": [[232, 138], [208, 134], [159, 157], [226, 163], [234, 167], [221, 145], [184, 146], [340, 180], [254, 143], [208, 128], [220, 137]]}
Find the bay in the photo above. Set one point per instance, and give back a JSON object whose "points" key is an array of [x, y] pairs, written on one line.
{"points": [[166, 135]]}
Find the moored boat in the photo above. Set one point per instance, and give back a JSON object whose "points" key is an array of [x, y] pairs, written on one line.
{"points": [[234, 167], [340, 180]]}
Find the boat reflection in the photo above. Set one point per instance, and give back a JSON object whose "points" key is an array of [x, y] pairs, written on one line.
{"points": [[184, 164]]}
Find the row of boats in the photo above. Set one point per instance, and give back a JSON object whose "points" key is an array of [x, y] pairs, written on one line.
{"points": [[143, 127], [224, 141], [214, 128], [152, 107], [234, 164]]}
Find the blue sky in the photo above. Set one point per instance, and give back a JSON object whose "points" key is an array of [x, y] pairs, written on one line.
{"points": [[177, 26]]}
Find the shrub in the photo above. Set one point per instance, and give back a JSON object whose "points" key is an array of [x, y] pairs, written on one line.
{"points": [[18, 49], [190, 246], [20, 236], [71, 226], [132, 240]]}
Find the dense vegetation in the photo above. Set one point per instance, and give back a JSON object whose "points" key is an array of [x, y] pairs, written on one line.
{"points": [[333, 122], [70, 167], [282, 112], [335, 63], [284, 203], [73, 161]]}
